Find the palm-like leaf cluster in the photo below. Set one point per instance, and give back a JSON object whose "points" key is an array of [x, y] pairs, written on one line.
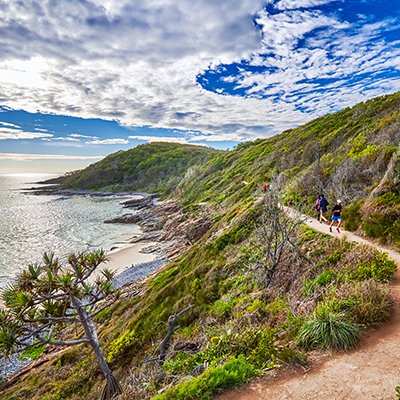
{"points": [[39, 301]]}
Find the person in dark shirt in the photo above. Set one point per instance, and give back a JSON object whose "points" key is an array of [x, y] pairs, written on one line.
{"points": [[323, 208], [336, 217]]}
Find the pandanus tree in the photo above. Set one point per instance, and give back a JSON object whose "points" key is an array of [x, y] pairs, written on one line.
{"points": [[47, 297]]}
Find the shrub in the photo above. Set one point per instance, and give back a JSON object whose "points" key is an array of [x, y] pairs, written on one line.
{"points": [[213, 380], [222, 308], [368, 302], [328, 330], [381, 268], [352, 216], [383, 225], [323, 279]]}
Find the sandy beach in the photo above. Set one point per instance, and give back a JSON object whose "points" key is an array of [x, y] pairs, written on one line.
{"points": [[123, 258]]}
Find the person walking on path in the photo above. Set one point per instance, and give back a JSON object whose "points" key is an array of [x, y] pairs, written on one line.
{"points": [[323, 208], [318, 207], [336, 210]]}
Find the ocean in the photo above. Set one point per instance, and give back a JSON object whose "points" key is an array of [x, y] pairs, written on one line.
{"points": [[31, 225]]}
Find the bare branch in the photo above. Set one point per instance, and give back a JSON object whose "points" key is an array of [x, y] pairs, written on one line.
{"points": [[62, 342], [171, 329]]}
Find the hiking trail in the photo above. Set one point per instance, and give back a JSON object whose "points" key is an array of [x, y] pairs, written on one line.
{"points": [[369, 372]]}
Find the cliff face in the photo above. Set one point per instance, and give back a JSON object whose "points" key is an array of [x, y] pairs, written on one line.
{"points": [[246, 319]]}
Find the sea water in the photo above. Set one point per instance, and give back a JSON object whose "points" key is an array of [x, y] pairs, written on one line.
{"points": [[31, 225]]}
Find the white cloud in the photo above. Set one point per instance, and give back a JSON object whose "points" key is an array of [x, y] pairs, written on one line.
{"points": [[78, 135], [109, 141], [220, 137], [152, 139], [28, 157], [62, 138], [295, 4], [137, 62], [16, 134], [9, 125], [41, 130]]}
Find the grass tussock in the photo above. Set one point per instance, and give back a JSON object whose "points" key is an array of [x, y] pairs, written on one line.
{"points": [[328, 330]]}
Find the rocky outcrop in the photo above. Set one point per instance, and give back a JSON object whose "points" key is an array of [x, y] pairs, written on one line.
{"points": [[124, 219], [139, 203], [165, 223]]}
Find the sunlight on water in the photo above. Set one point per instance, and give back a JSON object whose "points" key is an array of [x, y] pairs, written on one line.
{"points": [[31, 225]]}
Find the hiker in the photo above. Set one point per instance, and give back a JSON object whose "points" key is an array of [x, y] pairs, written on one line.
{"points": [[265, 188], [318, 207], [323, 208], [336, 210]]}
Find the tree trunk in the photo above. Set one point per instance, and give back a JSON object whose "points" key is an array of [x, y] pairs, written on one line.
{"points": [[112, 386]]}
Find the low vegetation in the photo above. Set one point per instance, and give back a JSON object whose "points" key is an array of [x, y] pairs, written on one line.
{"points": [[154, 167], [263, 289]]}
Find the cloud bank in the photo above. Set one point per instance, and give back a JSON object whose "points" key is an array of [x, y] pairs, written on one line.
{"points": [[233, 70]]}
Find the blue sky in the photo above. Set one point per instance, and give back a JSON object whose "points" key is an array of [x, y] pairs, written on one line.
{"points": [[82, 79]]}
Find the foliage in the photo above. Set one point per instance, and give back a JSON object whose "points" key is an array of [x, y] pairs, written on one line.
{"points": [[47, 297], [352, 216], [32, 353], [234, 372], [328, 330], [368, 302], [381, 268], [323, 279], [154, 167]]}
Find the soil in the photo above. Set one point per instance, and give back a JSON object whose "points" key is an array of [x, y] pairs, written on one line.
{"points": [[370, 372]]}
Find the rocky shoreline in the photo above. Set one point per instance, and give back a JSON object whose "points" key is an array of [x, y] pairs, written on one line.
{"points": [[165, 223], [165, 227]]}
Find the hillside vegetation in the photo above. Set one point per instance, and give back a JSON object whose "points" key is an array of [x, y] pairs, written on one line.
{"points": [[154, 167], [352, 155], [253, 311]]}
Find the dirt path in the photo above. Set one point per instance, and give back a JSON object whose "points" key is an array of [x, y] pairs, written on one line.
{"points": [[370, 372]]}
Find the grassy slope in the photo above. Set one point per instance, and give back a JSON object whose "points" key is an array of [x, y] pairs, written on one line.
{"points": [[154, 167], [352, 155], [238, 324]]}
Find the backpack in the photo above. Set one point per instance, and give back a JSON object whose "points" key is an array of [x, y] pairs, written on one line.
{"points": [[323, 203]]}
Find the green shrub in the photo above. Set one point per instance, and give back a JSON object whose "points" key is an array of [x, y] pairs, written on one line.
{"points": [[162, 278], [33, 352], [215, 379], [103, 316], [381, 268], [397, 389], [118, 346], [222, 308], [323, 279], [368, 302], [328, 330], [383, 225], [257, 345], [352, 216]]}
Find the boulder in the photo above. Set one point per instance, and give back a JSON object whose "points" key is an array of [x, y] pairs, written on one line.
{"points": [[124, 219]]}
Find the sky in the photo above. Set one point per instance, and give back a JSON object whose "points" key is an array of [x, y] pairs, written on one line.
{"points": [[80, 79]]}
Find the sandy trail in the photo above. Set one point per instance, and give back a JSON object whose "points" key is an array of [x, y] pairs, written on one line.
{"points": [[370, 372]]}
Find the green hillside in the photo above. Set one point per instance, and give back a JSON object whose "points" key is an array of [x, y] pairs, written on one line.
{"points": [[252, 310], [154, 167], [352, 155]]}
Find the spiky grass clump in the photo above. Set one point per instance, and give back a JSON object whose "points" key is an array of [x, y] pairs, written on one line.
{"points": [[328, 330]]}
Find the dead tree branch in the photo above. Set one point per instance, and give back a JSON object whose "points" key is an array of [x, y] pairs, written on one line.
{"points": [[172, 327]]}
